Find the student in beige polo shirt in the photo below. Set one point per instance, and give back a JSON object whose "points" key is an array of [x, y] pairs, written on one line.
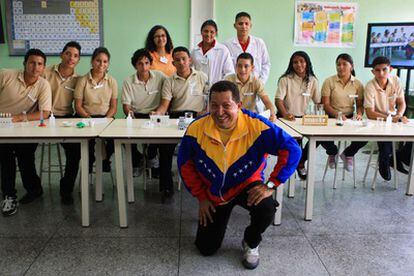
{"points": [[295, 88], [96, 96], [384, 96], [182, 92], [22, 91], [251, 87], [337, 96], [141, 94], [62, 79]]}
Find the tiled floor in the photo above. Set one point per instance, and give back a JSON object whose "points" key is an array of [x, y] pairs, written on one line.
{"points": [[353, 232]]}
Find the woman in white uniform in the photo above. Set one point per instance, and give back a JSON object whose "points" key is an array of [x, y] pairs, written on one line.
{"points": [[210, 56]]}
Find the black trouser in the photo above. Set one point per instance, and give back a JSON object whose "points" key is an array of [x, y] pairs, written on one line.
{"points": [[166, 156], [384, 153], [73, 155], [332, 149], [404, 153], [210, 237], [25, 154]]}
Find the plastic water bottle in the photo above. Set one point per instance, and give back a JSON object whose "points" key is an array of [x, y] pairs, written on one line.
{"points": [[52, 120], [129, 120]]}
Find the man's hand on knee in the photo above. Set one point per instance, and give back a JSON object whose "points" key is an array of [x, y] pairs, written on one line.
{"points": [[206, 208], [257, 194]]}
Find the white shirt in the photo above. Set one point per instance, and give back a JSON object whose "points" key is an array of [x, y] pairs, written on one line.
{"points": [[257, 48], [216, 63]]}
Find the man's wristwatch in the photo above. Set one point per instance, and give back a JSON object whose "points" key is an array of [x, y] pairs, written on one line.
{"points": [[271, 185]]}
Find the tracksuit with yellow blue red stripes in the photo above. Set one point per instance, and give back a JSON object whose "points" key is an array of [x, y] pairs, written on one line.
{"points": [[224, 173]]}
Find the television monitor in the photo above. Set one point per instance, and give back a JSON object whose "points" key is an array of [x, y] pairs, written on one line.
{"points": [[393, 40]]}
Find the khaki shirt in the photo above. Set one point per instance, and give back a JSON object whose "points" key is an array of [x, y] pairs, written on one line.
{"points": [[62, 90], [248, 91], [383, 100], [143, 97], [16, 96], [291, 88], [186, 94], [339, 94], [96, 97]]}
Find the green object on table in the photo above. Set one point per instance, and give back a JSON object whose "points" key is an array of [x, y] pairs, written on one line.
{"points": [[80, 125]]}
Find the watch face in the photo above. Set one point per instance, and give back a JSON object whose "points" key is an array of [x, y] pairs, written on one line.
{"points": [[270, 185]]}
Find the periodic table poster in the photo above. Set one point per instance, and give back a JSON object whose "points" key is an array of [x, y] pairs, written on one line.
{"points": [[325, 24], [49, 24]]}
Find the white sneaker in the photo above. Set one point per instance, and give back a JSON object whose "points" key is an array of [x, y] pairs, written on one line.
{"points": [[136, 172], [153, 163], [332, 161], [250, 256], [348, 162], [9, 206]]}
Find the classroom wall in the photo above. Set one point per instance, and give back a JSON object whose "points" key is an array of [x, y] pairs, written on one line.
{"points": [[127, 22]]}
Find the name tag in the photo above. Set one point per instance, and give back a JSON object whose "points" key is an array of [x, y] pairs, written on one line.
{"points": [[164, 59], [69, 88], [249, 94], [353, 96], [153, 92], [204, 60], [306, 94], [98, 86]]}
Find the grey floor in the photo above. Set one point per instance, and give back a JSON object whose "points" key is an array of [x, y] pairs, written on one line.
{"points": [[353, 232]]}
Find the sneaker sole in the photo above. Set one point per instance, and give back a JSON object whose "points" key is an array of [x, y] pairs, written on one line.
{"points": [[249, 265]]}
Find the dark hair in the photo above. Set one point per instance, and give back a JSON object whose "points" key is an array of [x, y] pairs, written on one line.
{"points": [[181, 49], [209, 22], [309, 67], [347, 58], [245, 56], [381, 60], [225, 86], [149, 43], [100, 50], [34, 52], [73, 44], [140, 53], [242, 14]]}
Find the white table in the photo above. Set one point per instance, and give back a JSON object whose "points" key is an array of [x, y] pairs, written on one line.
{"points": [[137, 134], [31, 133], [353, 132], [170, 134]]}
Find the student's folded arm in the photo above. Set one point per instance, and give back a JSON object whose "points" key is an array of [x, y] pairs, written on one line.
{"points": [[80, 110], [127, 108], [401, 106], [113, 106], [328, 108], [163, 107], [372, 114]]}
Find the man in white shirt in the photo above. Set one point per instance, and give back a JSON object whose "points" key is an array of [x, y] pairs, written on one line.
{"points": [[244, 42]]}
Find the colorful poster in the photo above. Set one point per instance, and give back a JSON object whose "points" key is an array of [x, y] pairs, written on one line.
{"points": [[325, 24]]}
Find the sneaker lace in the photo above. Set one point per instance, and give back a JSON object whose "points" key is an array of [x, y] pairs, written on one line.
{"points": [[252, 251], [7, 203]]}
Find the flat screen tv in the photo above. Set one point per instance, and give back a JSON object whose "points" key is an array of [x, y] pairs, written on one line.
{"points": [[393, 40]]}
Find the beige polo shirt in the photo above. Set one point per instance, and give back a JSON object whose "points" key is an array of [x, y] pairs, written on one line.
{"points": [[383, 100], [248, 91], [143, 97], [339, 93], [290, 90], [62, 90], [185, 94], [16, 96], [96, 97]]}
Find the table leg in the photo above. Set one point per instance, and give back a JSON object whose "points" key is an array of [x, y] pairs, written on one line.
{"points": [[130, 183], [98, 170], [291, 186], [84, 182], [279, 198], [120, 185], [410, 183], [310, 179]]}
